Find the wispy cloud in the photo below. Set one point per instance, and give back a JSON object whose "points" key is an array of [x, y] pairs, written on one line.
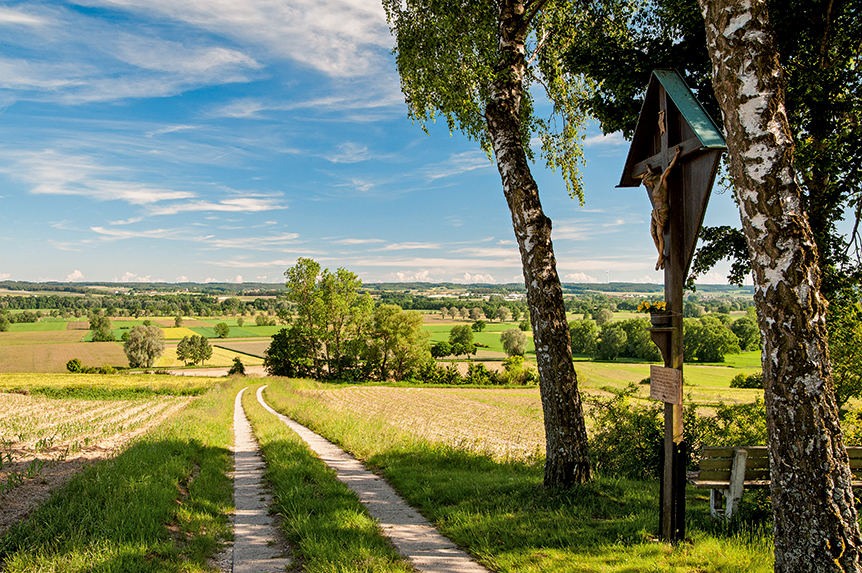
{"points": [[235, 205], [353, 241], [53, 173], [409, 246], [122, 234], [456, 165], [615, 139], [341, 38]]}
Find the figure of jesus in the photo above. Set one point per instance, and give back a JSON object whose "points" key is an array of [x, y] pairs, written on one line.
{"points": [[656, 183]]}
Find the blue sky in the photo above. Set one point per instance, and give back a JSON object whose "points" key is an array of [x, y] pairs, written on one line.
{"points": [[216, 140]]}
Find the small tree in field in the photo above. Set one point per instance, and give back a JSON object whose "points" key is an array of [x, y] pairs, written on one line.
{"points": [[461, 334], [222, 330], [178, 321], [144, 346], [504, 314], [477, 313], [514, 342]]}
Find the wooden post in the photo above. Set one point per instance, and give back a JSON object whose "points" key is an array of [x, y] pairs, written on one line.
{"points": [[675, 152]]}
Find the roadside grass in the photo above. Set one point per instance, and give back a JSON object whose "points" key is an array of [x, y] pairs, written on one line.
{"points": [[500, 512], [322, 518], [160, 505], [105, 387]]}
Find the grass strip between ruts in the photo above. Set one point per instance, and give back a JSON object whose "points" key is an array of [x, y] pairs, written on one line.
{"points": [[160, 505], [324, 521], [501, 513]]}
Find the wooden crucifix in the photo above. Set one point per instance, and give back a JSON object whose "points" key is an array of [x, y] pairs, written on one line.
{"points": [[675, 153]]}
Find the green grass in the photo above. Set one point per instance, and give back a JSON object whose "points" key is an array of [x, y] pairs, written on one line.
{"points": [[161, 505], [501, 513], [323, 519], [36, 326], [490, 336], [247, 331]]}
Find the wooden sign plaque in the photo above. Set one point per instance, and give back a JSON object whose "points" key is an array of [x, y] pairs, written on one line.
{"points": [[665, 384]]}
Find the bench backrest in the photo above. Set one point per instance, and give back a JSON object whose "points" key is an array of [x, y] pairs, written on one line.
{"points": [[715, 463]]}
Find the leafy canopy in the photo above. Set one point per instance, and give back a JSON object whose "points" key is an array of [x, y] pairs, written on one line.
{"points": [[448, 57]]}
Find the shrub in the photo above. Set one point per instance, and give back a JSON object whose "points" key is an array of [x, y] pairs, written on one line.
{"points": [[627, 440], [238, 368], [628, 434], [747, 380], [74, 365]]}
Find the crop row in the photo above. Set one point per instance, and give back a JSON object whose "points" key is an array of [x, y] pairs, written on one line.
{"points": [[508, 427]]}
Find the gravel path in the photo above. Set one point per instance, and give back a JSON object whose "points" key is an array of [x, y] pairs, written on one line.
{"points": [[258, 547], [416, 539]]}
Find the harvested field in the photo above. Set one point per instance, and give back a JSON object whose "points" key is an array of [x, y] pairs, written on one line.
{"points": [[78, 325], [249, 347], [44, 441], [53, 357], [49, 337], [220, 357], [506, 424]]}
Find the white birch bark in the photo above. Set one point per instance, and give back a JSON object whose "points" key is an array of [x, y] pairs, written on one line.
{"points": [[815, 518]]}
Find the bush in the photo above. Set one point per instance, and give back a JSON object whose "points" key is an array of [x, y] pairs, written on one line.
{"points": [[74, 365], [238, 368], [747, 380], [627, 440], [628, 434]]}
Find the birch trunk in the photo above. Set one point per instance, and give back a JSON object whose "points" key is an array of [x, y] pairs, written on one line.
{"points": [[815, 519], [567, 460]]}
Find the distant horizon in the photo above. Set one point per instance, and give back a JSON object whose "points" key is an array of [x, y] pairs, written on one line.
{"points": [[85, 284]]}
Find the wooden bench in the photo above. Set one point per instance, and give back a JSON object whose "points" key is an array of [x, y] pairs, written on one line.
{"points": [[726, 472]]}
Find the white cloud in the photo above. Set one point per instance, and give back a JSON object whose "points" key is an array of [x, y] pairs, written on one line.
{"points": [[237, 205], [457, 164], [254, 243], [238, 279], [9, 16], [357, 241], [409, 246], [474, 278], [615, 139], [181, 279], [172, 234], [580, 278], [4, 276], [129, 277], [50, 172], [75, 275], [418, 276], [646, 279], [349, 152], [341, 38]]}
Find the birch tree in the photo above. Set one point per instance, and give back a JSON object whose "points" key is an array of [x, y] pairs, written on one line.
{"points": [[473, 62], [815, 517]]}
